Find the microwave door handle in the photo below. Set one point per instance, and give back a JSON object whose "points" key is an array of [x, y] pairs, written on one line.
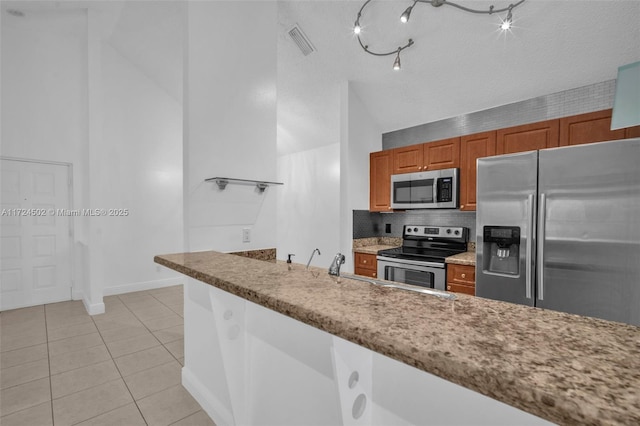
{"points": [[435, 190]]}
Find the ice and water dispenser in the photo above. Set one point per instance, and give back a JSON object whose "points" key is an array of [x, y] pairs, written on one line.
{"points": [[502, 248]]}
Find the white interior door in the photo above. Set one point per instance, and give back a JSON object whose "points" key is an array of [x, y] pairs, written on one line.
{"points": [[35, 255]]}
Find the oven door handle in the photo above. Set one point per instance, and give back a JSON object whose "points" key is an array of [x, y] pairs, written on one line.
{"points": [[410, 262]]}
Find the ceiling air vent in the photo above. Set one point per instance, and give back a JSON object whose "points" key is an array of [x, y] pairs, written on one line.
{"points": [[301, 40]]}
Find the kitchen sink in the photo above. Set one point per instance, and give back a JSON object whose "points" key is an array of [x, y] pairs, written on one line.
{"points": [[390, 284]]}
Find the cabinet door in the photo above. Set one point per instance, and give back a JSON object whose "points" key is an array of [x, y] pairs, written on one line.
{"points": [[407, 159], [632, 132], [588, 128], [380, 167], [461, 279], [473, 147], [443, 154], [366, 264], [529, 137]]}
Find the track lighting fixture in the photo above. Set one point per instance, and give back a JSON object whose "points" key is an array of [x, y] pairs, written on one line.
{"points": [[506, 24], [396, 63]]}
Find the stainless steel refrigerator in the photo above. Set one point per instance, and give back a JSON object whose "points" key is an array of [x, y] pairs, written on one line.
{"points": [[559, 229]]}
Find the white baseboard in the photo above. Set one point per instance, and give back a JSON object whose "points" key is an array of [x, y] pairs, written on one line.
{"points": [[93, 308], [209, 403], [143, 285]]}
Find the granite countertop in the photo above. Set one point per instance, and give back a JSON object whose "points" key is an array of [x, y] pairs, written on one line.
{"points": [[374, 244], [562, 367], [372, 249], [466, 258]]}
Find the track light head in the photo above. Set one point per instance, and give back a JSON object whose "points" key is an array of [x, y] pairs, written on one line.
{"points": [[396, 63], [506, 24], [404, 18], [356, 27]]}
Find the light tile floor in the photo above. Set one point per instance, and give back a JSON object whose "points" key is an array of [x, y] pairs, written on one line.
{"points": [[60, 366]]}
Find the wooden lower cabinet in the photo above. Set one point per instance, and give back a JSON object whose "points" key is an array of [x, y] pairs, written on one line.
{"points": [[366, 264], [461, 279]]}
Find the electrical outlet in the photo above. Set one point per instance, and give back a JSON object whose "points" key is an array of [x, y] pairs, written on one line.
{"points": [[387, 228], [246, 235]]}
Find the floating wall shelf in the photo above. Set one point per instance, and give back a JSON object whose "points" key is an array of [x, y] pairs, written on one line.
{"points": [[223, 181]]}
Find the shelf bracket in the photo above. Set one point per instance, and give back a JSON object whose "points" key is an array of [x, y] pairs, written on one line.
{"points": [[223, 181]]}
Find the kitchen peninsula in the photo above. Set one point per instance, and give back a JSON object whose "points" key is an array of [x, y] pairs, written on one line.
{"points": [[261, 338]]}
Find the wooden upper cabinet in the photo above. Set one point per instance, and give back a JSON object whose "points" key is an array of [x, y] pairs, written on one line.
{"points": [[407, 159], [436, 155], [528, 137], [380, 171], [473, 147], [589, 128], [632, 132], [443, 154]]}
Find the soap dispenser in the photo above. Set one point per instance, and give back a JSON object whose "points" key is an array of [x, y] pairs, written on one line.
{"points": [[289, 265]]}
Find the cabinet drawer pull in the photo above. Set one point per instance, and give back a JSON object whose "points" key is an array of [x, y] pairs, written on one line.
{"points": [[374, 274], [448, 287], [464, 275], [365, 261]]}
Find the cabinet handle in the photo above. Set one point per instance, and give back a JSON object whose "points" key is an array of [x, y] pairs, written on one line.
{"points": [[462, 206], [448, 287], [374, 274], [464, 275], [364, 261]]}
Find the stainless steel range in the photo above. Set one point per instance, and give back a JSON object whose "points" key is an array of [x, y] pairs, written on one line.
{"points": [[420, 259]]}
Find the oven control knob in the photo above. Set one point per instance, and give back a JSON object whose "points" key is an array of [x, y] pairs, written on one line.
{"points": [[457, 232], [408, 229], [448, 231], [415, 229]]}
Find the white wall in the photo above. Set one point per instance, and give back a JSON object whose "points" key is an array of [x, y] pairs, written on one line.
{"points": [[360, 135], [68, 97], [309, 205], [45, 102], [142, 151], [324, 185], [230, 124]]}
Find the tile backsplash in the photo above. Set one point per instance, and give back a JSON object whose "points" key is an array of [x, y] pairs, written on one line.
{"points": [[368, 224], [594, 97]]}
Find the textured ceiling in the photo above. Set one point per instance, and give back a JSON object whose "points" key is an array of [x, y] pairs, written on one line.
{"points": [[460, 62]]}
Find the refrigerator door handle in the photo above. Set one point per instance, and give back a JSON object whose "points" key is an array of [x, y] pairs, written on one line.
{"points": [[529, 269], [541, 231]]}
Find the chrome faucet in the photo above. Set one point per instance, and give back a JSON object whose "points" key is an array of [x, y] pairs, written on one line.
{"points": [[334, 269], [312, 253]]}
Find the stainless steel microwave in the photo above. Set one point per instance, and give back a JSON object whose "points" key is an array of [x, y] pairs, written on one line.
{"points": [[436, 189]]}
